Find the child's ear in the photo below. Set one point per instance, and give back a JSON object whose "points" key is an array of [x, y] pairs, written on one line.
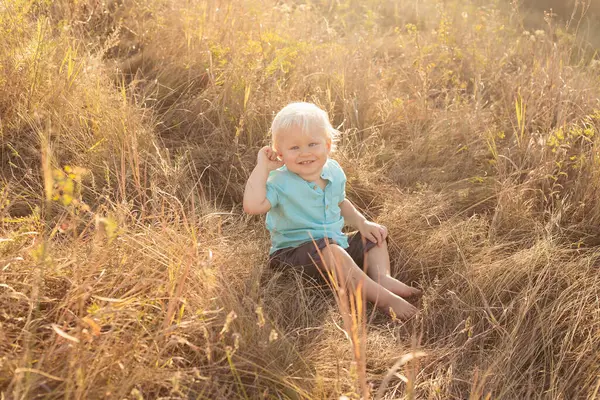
{"points": [[328, 144]]}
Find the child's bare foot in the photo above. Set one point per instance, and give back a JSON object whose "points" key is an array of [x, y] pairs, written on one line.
{"points": [[397, 287], [401, 308]]}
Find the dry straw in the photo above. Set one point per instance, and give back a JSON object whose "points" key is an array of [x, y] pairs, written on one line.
{"points": [[128, 129]]}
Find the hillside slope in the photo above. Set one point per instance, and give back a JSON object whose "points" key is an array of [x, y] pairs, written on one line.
{"points": [[128, 269]]}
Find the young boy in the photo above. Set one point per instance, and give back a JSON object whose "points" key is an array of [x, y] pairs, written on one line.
{"points": [[302, 191]]}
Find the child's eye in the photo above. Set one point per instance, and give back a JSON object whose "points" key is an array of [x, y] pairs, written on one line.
{"points": [[313, 144], [294, 148]]}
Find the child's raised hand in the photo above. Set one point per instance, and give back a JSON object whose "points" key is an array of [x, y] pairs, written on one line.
{"points": [[267, 158], [374, 232]]}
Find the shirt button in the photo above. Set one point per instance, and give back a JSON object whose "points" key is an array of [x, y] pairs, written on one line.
{"points": [[315, 187], [326, 207]]}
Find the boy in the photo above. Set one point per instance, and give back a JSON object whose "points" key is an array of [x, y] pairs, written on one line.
{"points": [[302, 191]]}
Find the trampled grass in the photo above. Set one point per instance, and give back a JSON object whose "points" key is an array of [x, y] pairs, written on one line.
{"points": [[128, 129]]}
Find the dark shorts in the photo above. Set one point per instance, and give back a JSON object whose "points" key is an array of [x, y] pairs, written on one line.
{"points": [[301, 258]]}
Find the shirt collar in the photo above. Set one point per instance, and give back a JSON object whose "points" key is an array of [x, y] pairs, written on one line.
{"points": [[326, 173]]}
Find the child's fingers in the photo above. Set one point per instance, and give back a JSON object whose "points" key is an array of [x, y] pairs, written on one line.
{"points": [[271, 155], [372, 237], [379, 237], [384, 232]]}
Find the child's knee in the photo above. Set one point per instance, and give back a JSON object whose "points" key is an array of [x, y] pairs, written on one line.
{"points": [[332, 252], [384, 245], [332, 248]]}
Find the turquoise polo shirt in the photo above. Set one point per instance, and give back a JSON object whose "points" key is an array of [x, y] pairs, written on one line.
{"points": [[302, 211]]}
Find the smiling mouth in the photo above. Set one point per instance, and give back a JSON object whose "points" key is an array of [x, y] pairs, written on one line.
{"points": [[306, 162]]}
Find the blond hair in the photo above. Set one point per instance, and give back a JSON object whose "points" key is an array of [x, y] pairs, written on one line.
{"points": [[306, 116]]}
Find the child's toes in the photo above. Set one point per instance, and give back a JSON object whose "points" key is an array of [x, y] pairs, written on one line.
{"points": [[409, 313]]}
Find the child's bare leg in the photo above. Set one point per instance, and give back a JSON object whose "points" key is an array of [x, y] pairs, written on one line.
{"points": [[351, 274], [378, 268]]}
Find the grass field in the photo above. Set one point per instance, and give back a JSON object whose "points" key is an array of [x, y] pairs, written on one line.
{"points": [[128, 128]]}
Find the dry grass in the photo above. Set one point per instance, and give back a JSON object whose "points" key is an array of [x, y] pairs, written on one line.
{"points": [[133, 273]]}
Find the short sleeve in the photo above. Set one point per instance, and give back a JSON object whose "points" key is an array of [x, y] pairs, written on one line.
{"points": [[340, 177], [272, 194]]}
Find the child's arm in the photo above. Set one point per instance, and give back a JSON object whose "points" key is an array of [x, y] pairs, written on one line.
{"points": [[255, 193], [369, 230]]}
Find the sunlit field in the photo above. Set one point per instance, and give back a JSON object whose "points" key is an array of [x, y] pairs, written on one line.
{"points": [[128, 269]]}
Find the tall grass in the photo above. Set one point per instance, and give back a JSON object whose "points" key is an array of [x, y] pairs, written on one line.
{"points": [[128, 269]]}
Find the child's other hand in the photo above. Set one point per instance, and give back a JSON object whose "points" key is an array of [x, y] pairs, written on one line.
{"points": [[374, 232], [267, 158]]}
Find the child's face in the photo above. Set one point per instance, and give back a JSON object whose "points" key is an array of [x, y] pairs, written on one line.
{"points": [[304, 154]]}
